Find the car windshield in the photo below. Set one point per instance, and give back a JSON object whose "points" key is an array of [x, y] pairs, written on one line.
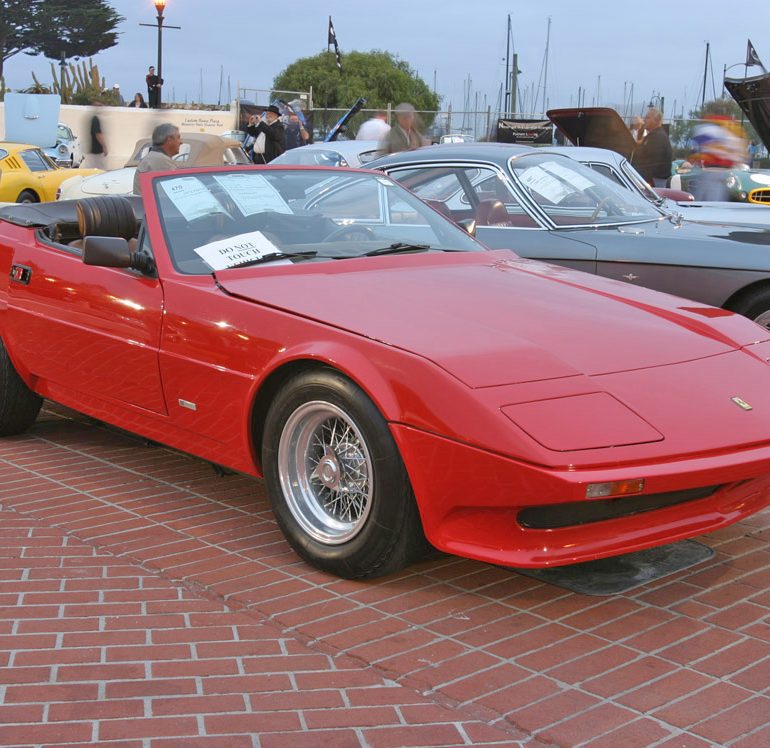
{"points": [[572, 194], [640, 183], [313, 157], [63, 133], [36, 160], [229, 217]]}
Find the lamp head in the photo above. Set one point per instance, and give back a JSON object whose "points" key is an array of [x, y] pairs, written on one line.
{"points": [[160, 6]]}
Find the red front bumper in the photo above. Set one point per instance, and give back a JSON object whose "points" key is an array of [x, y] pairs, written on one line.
{"points": [[469, 500]]}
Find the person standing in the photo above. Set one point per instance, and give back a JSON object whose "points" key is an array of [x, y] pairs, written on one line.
{"points": [[118, 96], [97, 151], [375, 128], [272, 129], [653, 157], [637, 128], [166, 140], [403, 136], [296, 134], [154, 84]]}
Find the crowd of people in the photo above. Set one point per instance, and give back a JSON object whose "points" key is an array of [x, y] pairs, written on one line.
{"points": [[273, 132]]}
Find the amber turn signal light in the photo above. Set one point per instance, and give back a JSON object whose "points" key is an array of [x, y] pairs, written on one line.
{"points": [[615, 488]]}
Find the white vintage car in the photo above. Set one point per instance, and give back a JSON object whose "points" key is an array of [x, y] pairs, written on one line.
{"points": [[67, 150], [198, 149]]}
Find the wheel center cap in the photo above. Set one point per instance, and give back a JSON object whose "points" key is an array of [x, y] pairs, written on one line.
{"points": [[328, 471]]}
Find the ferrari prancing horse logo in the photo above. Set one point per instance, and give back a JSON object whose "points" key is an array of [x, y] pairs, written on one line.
{"points": [[741, 403]]}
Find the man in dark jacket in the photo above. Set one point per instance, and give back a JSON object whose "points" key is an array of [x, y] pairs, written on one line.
{"points": [[653, 156], [272, 129]]}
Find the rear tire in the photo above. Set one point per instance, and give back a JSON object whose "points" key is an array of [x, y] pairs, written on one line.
{"points": [[755, 306], [338, 486], [19, 406], [27, 196]]}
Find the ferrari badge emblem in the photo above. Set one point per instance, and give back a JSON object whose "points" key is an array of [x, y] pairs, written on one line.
{"points": [[741, 403]]}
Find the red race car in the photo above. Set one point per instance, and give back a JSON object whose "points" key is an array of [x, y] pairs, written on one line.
{"points": [[391, 378]]}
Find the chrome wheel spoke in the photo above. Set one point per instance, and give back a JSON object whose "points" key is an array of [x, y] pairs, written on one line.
{"points": [[326, 472]]}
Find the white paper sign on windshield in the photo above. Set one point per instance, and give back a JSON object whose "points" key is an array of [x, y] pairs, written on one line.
{"points": [[252, 193], [540, 181], [191, 197], [235, 250], [569, 175]]}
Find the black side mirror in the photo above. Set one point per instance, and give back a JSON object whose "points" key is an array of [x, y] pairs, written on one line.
{"points": [[468, 225], [106, 251], [114, 252]]}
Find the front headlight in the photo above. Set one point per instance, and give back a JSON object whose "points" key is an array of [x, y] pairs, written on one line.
{"points": [[62, 149], [594, 420]]}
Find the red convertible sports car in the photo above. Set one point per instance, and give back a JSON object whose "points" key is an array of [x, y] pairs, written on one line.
{"points": [[391, 378]]}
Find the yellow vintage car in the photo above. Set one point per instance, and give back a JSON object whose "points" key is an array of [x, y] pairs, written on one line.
{"points": [[27, 175]]}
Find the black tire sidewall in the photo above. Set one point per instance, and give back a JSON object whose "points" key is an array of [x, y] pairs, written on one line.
{"points": [[32, 198], [753, 305], [376, 546]]}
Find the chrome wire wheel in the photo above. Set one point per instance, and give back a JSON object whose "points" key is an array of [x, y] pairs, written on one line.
{"points": [[763, 320], [326, 472]]}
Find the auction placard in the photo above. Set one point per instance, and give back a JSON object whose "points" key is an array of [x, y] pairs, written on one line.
{"points": [[236, 250]]}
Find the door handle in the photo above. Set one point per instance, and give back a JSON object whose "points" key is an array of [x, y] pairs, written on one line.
{"points": [[21, 274]]}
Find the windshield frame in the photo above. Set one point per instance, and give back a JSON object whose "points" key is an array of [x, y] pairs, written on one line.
{"points": [[303, 225], [620, 191]]}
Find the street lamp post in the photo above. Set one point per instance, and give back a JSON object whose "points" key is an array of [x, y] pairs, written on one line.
{"points": [[160, 6]]}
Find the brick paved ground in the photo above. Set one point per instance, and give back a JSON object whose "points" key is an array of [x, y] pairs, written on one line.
{"points": [[145, 601]]}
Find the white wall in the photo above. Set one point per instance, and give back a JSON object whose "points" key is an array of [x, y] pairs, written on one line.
{"points": [[123, 126]]}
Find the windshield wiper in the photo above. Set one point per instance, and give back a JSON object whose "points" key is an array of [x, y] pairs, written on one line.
{"points": [[397, 248], [276, 256]]}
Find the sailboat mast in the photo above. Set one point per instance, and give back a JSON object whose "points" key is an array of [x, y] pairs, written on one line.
{"points": [[545, 77], [705, 75], [508, 65]]}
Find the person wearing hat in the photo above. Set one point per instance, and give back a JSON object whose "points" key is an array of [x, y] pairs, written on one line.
{"points": [[272, 128], [403, 136], [116, 91]]}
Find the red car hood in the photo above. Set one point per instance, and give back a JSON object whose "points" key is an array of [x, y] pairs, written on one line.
{"points": [[491, 318]]}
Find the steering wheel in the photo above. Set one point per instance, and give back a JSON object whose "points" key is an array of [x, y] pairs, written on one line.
{"points": [[598, 207], [350, 234]]}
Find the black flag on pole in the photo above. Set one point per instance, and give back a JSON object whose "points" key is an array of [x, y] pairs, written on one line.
{"points": [[333, 40], [752, 58]]}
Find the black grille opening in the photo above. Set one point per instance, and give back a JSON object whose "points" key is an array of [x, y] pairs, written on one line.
{"points": [[597, 510]]}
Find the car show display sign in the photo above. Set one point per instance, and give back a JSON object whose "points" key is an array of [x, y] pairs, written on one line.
{"points": [[524, 131]]}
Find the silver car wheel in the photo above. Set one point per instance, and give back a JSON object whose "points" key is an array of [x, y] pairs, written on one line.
{"points": [[325, 471], [763, 319]]}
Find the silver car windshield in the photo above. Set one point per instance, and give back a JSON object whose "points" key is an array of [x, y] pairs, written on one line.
{"points": [[640, 183], [229, 217], [572, 194]]}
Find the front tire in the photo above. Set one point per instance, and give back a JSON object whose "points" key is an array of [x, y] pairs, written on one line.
{"points": [[756, 306], [337, 484], [19, 406]]}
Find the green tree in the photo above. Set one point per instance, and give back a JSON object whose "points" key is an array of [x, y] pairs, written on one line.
{"points": [[77, 29], [17, 23], [377, 76]]}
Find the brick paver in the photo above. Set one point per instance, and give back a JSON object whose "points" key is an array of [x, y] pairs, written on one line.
{"points": [[145, 601]]}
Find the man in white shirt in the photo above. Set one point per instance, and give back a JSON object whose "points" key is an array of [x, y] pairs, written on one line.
{"points": [[166, 140], [375, 128]]}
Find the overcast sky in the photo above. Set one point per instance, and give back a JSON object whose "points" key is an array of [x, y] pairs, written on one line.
{"points": [[657, 45]]}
